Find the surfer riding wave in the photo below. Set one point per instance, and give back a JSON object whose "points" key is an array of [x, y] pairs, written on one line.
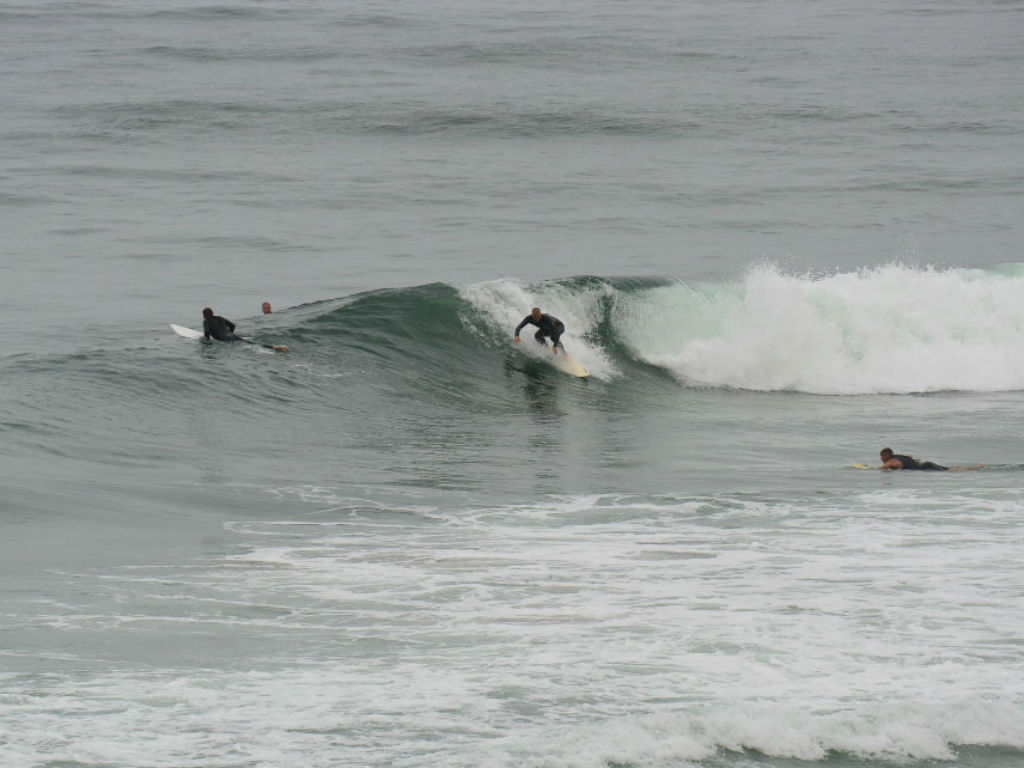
{"points": [[547, 325]]}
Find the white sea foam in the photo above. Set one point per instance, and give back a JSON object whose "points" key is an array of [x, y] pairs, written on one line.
{"points": [[568, 632], [891, 329], [892, 732]]}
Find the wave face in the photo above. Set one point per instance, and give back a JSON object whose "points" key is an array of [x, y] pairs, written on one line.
{"points": [[892, 329]]}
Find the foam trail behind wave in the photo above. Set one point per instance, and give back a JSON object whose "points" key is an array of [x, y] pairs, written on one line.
{"points": [[892, 329]]}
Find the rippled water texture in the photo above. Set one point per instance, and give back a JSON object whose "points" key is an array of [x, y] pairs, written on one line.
{"points": [[781, 236]]}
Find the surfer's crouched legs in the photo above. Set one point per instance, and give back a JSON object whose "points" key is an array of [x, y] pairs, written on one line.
{"points": [[556, 343]]}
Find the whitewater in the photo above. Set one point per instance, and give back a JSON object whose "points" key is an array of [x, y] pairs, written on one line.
{"points": [[582, 631], [889, 329]]}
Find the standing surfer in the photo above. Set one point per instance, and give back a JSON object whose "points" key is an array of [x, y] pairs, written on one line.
{"points": [[547, 325]]}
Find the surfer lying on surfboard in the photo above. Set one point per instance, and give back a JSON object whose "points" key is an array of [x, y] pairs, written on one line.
{"points": [[892, 460], [222, 329], [548, 325]]}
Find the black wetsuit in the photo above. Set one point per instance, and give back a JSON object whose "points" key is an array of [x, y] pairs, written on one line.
{"points": [[909, 462], [220, 328], [548, 325]]}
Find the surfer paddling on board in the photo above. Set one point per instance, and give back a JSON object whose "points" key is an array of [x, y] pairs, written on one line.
{"points": [[547, 325], [217, 327], [892, 460], [222, 329]]}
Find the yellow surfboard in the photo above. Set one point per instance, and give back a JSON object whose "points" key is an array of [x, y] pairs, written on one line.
{"points": [[569, 365]]}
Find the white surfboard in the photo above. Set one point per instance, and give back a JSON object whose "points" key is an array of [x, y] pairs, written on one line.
{"points": [[188, 333]]}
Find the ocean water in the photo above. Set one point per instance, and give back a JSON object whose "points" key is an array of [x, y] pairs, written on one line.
{"points": [[782, 235]]}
